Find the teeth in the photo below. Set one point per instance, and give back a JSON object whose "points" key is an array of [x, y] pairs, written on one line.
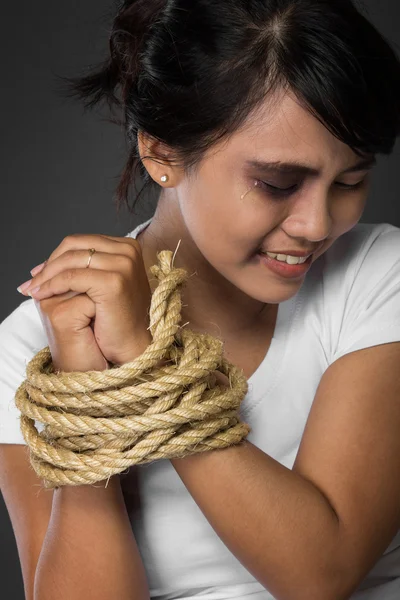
{"points": [[290, 260]]}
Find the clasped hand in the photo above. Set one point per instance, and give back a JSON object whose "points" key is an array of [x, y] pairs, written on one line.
{"points": [[106, 304]]}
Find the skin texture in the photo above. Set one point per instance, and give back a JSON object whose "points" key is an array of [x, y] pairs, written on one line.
{"points": [[221, 232]]}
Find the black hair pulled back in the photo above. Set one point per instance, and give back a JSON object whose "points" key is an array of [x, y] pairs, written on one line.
{"points": [[190, 72]]}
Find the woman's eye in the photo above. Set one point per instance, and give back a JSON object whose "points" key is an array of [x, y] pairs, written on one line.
{"points": [[280, 192], [277, 191], [346, 186]]}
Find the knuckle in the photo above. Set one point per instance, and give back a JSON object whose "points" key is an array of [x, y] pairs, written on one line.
{"points": [[70, 253], [132, 248], [117, 282], [67, 240], [125, 262]]}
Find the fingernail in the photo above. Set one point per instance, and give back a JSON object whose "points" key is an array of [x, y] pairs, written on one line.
{"points": [[36, 289], [22, 288], [37, 269]]}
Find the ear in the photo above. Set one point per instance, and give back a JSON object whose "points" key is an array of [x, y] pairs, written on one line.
{"points": [[156, 157]]}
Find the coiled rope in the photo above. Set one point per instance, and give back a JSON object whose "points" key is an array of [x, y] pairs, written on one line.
{"points": [[99, 423]]}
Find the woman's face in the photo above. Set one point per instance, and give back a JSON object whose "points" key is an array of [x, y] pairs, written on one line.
{"points": [[222, 227]]}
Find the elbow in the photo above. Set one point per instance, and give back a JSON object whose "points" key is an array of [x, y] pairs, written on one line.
{"points": [[343, 581], [319, 592], [337, 585]]}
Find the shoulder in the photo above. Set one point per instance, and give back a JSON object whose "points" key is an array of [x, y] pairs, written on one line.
{"points": [[359, 249], [363, 288], [351, 295]]}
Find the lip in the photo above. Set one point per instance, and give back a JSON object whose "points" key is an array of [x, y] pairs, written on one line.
{"points": [[291, 252], [285, 270]]}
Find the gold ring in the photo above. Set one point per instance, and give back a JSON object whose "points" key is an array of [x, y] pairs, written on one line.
{"points": [[91, 252]]}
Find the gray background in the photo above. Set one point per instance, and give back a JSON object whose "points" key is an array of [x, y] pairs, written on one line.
{"points": [[59, 166]]}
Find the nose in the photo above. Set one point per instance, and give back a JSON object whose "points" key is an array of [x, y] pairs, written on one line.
{"points": [[310, 221]]}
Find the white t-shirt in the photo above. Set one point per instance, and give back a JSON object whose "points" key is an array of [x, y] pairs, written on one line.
{"points": [[350, 299]]}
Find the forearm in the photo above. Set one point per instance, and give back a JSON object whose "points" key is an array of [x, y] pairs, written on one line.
{"points": [[100, 560], [280, 527]]}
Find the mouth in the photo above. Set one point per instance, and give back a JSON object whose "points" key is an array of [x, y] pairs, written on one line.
{"points": [[284, 269], [303, 257]]}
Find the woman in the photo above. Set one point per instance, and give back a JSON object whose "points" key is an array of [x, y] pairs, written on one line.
{"points": [[261, 122]]}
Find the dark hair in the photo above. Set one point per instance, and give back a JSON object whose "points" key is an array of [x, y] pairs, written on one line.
{"points": [[189, 72]]}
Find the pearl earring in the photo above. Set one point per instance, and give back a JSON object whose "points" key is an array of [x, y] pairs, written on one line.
{"points": [[164, 178]]}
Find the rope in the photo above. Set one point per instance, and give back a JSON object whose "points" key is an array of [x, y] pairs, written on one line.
{"points": [[99, 423]]}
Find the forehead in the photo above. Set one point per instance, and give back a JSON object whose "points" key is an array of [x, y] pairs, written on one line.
{"points": [[282, 129]]}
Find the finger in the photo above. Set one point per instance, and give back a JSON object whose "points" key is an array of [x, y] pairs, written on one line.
{"points": [[77, 310], [75, 259], [99, 285], [101, 243]]}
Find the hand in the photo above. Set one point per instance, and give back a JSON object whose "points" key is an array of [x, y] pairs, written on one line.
{"points": [[107, 304]]}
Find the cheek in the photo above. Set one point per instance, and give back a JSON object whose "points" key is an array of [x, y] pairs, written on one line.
{"points": [[210, 223], [229, 222], [223, 215], [347, 214]]}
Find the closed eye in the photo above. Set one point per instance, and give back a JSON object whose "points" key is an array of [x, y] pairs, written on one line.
{"points": [[273, 187], [278, 191], [350, 187]]}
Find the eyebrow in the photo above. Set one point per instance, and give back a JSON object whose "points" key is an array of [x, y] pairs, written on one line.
{"points": [[295, 168]]}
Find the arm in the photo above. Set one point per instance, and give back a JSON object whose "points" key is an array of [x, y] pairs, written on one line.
{"points": [[314, 531], [278, 524], [89, 550]]}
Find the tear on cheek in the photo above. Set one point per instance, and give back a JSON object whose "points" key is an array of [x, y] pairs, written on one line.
{"points": [[255, 186]]}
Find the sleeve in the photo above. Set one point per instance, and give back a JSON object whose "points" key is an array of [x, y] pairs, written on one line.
{"points": [[371, 314], [21, 337]]}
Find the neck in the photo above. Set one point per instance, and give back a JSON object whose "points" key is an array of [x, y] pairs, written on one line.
{"points": [[211, 303]]}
